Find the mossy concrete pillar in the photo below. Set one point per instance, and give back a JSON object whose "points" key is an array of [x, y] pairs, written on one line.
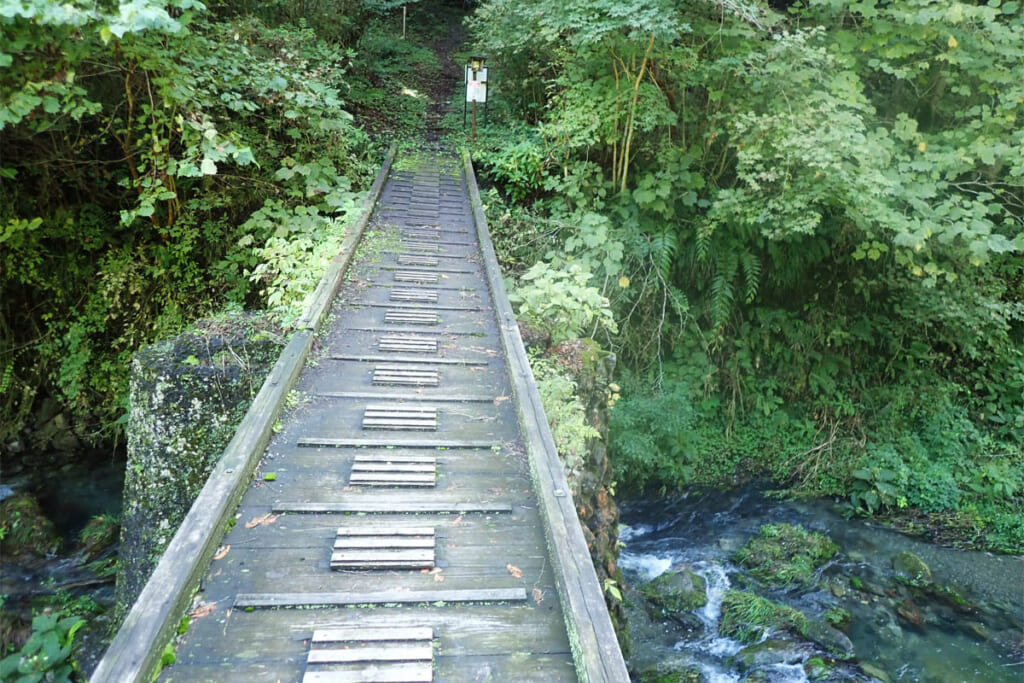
{"points": [[187, 396]]}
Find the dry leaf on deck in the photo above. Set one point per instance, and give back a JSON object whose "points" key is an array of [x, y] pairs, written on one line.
{"points": [[224, 550], [202, 609], [514, 571], [538, 595], [264, 520]]}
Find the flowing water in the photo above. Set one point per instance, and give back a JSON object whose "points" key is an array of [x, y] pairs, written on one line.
{"points": [[926, 641]]}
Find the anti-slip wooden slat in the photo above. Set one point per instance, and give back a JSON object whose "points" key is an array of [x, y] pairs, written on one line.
{"points": [[422, 295], [379, 508], [355, 548], [412, 344], [412, 260], [376, 655], [398, 479], [417, 317], [412, 276], [367, 635], [423, 247], [406, 377], [405, 597], [400, 417]]}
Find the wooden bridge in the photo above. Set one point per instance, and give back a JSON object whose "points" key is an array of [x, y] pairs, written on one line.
{"points": [[408, 519]]}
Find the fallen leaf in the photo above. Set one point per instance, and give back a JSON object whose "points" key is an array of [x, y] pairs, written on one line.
{"points": [[457, 520], [264, 520], [438, 578], [514, 571], [224, 549], [202, 609], [498, 400], [538, 595]]}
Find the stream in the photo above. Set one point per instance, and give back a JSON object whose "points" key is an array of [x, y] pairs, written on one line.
{"points": [[895, 637]]}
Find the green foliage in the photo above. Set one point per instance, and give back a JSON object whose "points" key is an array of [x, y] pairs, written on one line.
{"points": [[134, 180], [562, 302], [786, 556], [565, 413], [815, 220], [47, 653], [746, 617]]}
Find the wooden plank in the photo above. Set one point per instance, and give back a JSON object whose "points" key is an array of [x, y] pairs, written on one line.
{"points": [[384, 467], [412, 317], [431, 397], [400, 425], [401, 409], [137, 648], [392, 479], [402, 442], [407, 344], [369, 542], [372, 558], [415, 672], [342, 635], [407, 359], [402, 652], [367, 507], [412, 276], [396, 458], [428, 295], [380, 529], [410, 260], [481, 595]]}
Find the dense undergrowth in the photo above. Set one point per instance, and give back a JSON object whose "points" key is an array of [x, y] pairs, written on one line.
{"points": [[802, 232], [163, 161]]}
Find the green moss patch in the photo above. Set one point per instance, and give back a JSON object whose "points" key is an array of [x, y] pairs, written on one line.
{"points": [[784, 556]]}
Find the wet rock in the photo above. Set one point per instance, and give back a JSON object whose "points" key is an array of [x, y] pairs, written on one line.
{"points": [[768, 652], [886, 625], [832, 640], [676, 591], [817, 669], [667, 672], [911, 569], [975, 630], [909, 612], [27, 533], [954, 597], [837, 589], [876, 673]]}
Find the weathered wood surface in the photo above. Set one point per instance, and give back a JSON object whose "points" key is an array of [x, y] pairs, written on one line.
{"points": [[135, 651], [338, 538]]}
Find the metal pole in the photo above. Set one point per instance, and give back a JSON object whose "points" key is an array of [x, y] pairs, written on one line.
{"points": [[403, 22], [474, 120]]}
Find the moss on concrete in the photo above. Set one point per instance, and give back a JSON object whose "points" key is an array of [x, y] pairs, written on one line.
{"points": [[187, 396]]}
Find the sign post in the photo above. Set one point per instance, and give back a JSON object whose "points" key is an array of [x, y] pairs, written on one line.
{"points": [[476, 88]]}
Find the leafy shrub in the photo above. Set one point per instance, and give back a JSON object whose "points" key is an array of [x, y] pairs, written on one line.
{"points": [[562, 302], [565, 412], [47, 653]]}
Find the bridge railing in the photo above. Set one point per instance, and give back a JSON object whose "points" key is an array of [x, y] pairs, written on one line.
{"points": [[594, 644], [136, 650]]}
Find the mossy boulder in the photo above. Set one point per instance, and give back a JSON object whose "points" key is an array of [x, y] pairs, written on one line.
{"points": [[830, 639], [911, 569], [668, 673], [746, 616], [785, 556], [767, 653], [676, 591], [27, 533], [187, 396]]}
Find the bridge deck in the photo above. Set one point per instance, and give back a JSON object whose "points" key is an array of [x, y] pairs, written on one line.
{"points": [[400, 537]]}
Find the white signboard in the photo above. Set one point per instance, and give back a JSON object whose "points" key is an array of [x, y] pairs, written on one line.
{"points": [[476, 85]]}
